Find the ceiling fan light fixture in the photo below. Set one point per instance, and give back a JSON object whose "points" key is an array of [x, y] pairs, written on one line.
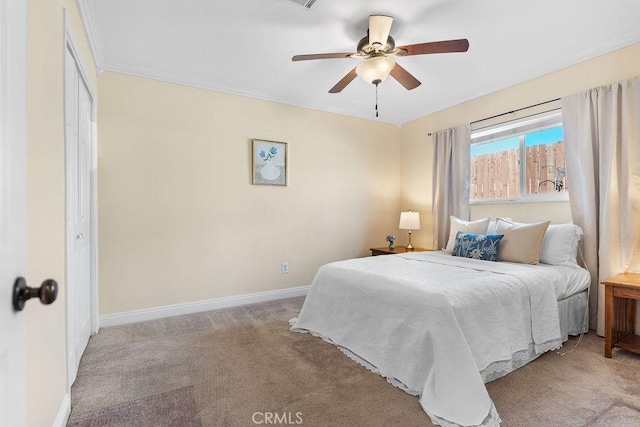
{"points": [[375, 70]]}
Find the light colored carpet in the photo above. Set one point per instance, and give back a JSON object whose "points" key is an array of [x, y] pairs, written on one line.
{"points": [[173, 408], [238, 366]]}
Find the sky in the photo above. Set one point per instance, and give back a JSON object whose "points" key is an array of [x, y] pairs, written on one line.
{"points": [[535, 138]]}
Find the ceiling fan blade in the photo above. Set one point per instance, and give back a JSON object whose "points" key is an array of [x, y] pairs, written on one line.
{"points": [[344, 82], [321, 56], [404, 77], [446, 46], [379, 28]]}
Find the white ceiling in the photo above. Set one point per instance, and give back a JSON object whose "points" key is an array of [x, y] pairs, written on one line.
{"points": [[245, 47]]}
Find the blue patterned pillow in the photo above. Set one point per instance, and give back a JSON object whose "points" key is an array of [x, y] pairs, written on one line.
{"points": [[478, 246]]}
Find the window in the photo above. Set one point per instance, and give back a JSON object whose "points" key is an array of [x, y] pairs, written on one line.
{"points": [[519, 161]]}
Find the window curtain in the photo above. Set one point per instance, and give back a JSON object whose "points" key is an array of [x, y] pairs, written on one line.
{"points": [[602, 143], [450, 180]]}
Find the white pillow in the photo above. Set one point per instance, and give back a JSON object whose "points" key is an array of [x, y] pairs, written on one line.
{"points": [[492, 226], [476, 227], [560, 244], [521, 242]]}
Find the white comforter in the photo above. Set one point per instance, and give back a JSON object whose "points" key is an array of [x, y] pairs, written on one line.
{"points": [[431, 323]]}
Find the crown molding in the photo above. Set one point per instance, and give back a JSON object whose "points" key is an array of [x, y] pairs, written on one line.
{"points": [[543, 69], [86, 15], [201, 84]]}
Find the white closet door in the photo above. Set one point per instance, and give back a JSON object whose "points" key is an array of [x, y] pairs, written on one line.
{"points": [[78, 105]]}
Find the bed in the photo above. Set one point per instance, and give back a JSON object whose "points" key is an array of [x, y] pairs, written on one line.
{"points": [[440, 326]]}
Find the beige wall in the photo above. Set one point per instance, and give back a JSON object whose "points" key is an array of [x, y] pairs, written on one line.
{"points": [[417, 149], [556, 212], [46, 326], [181, 222], [179, 218]]}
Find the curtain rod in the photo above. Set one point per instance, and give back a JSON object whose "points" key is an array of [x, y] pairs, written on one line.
{"points": [[515, 111], [511, 112]]}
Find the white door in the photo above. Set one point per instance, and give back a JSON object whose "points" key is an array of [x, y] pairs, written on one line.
{"points": [[12, 209], [78, 107]]}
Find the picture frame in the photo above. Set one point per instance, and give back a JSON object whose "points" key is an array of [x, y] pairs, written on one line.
{"points": [[269, 162]]}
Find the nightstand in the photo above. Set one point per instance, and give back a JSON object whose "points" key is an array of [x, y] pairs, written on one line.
{"points": [[620, 295], [396, 250]]}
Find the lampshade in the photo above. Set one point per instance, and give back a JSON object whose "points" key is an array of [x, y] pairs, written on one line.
{"points": [[375, 70], [409, 221]]}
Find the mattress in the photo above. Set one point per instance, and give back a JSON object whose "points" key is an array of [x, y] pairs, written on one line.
{"points": [[568, 278]]}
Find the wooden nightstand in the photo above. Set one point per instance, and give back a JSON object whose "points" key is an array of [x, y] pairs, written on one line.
{"points": [[620, 295], [396, 250]]}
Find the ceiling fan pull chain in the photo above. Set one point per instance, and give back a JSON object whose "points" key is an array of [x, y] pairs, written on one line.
{"points": [[376, 99]]}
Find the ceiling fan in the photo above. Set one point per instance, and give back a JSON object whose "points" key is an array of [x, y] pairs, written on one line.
{"points": [[377, 49]]}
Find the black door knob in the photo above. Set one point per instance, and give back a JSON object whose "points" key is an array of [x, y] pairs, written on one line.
{"points": [[47, 292]]}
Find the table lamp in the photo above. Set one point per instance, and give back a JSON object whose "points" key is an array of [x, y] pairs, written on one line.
{"points": [[409, 221]]}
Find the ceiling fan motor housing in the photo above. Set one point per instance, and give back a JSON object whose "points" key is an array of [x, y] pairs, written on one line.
{"points": [[365, 48]]}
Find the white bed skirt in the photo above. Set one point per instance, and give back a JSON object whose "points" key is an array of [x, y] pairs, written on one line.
{"points": [[573, 321], [573, 315]]}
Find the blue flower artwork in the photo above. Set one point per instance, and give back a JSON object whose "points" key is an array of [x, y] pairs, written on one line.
{"points": [[270, 162], [270, 155]]}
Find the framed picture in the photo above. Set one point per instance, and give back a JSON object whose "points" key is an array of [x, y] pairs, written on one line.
{"points": [[269, 162]]}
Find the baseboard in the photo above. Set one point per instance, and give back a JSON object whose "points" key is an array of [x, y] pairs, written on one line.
{"points": [[63, 412], [198, 306]]}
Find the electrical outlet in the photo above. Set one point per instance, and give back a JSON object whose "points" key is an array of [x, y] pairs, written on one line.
{"points": [[285, 267]]}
